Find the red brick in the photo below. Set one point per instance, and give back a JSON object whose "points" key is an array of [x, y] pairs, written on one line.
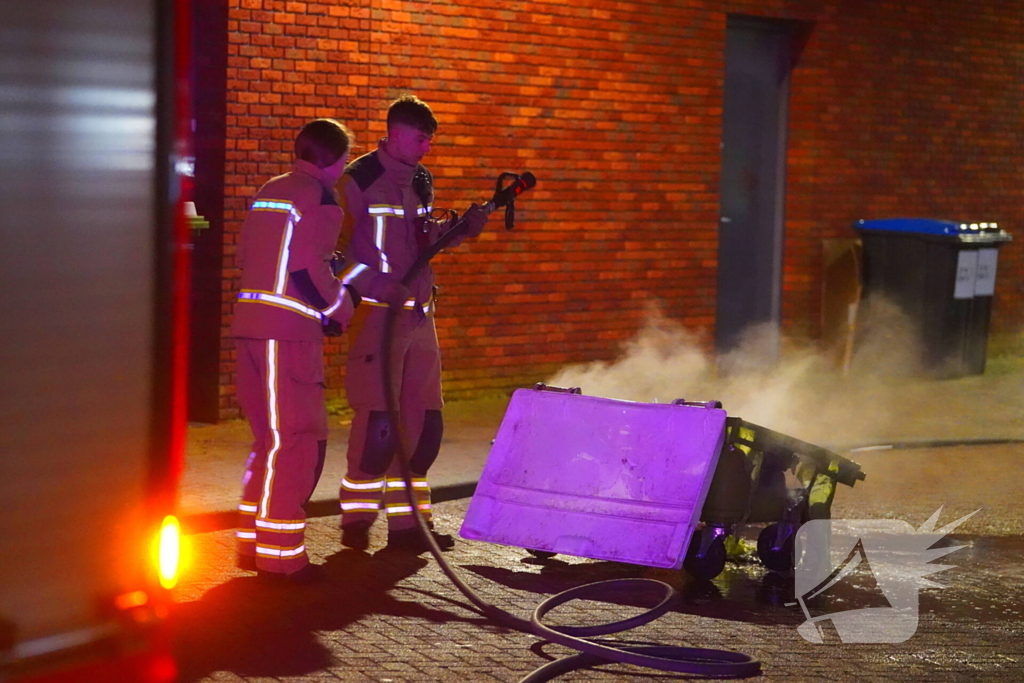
{"points": [[617, 109]]}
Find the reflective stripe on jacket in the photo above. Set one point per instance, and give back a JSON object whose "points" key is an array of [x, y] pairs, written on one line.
{"points": [[379, 232], [288, 289]]}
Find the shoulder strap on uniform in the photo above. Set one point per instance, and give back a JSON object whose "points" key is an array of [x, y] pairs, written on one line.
{"points": [[365, 170], [327, 198]]}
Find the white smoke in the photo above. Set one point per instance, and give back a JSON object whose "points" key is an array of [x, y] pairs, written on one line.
{"points": [[801, 391]]}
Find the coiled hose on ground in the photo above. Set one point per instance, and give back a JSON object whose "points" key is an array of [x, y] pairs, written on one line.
{"points": [[687, 660]]}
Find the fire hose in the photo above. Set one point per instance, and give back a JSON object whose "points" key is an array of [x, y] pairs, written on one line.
{"points": [[688, 660]]}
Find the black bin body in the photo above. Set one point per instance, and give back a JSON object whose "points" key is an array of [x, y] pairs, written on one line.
{"points": [[942, 275]]}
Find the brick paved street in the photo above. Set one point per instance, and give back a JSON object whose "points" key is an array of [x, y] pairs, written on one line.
{"points": [[378, 619]]}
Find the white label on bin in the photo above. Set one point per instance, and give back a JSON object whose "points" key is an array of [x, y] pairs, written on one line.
{"points": [[985, 282], [966, 273]]}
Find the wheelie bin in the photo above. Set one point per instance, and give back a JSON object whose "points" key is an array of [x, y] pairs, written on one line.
{"points": [[765, 477], [942, 275], [654, 484]]}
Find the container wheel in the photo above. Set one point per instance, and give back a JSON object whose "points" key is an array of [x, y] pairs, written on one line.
{"points": [[705, 558], [541, 554], [775, 546]]}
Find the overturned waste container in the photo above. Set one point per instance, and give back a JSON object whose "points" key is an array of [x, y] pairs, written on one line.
{"points": [[942, 275], [765, 477], [656, 484]]}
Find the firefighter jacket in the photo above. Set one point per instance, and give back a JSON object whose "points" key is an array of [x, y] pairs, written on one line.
{"points": [[386, 205], [288, 288]]}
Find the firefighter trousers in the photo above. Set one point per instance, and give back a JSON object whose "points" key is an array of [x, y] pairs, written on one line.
{"points": [[373, 481], [281, 391]]}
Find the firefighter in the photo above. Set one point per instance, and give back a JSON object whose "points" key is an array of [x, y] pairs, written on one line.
{"points": [[388, 199], [289, 293]]}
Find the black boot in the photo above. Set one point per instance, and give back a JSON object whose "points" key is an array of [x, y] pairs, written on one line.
{"points": [[412, 541], [356, 535], [246, 562], [307, 576]]}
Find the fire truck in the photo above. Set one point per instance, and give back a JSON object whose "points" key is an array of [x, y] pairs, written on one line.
{"points": [[94, 166]]}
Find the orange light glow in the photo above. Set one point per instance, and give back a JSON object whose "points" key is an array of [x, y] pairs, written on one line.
{"points": [[129, 600], [169, 552]]}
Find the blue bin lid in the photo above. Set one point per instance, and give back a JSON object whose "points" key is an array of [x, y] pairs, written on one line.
{"points": [[931, 226]]}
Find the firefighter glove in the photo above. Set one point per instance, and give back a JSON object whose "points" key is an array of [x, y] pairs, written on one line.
{"points": [[337, 263], [475, 218], [332, 328]]}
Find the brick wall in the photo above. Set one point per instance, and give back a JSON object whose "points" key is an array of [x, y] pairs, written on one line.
{"points": [[907, 108]]}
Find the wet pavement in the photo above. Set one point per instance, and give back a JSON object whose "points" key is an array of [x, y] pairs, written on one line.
{"points": [[378, 619], [388, 619]]}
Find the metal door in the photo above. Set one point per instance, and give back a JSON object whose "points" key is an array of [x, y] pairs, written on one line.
{"points": [[758, 59]]}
